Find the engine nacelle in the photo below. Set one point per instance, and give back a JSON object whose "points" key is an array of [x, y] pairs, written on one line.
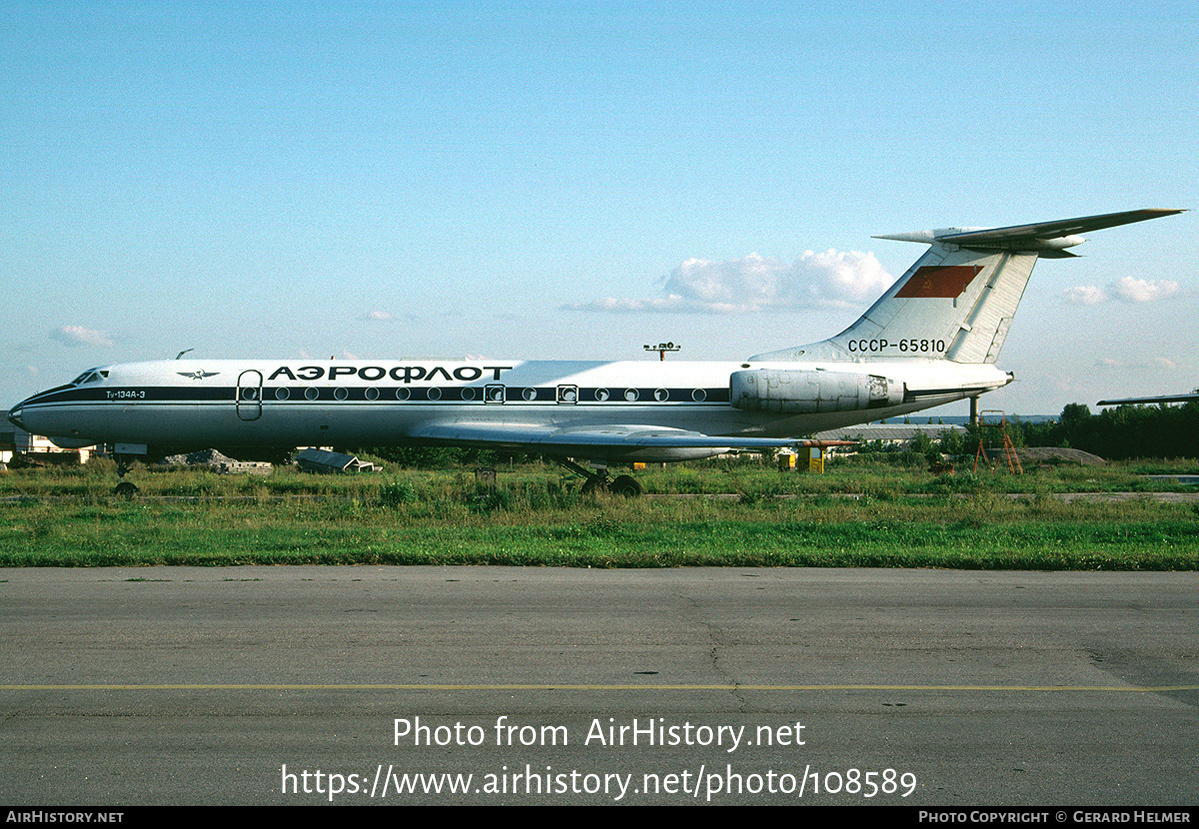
{"points": [[811, 391]]}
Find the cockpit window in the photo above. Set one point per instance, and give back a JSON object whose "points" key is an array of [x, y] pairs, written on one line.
{"points": [[89, 376]]}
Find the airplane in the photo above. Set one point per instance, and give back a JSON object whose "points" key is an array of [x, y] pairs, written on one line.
{"points": [[1164, 398], [931, 339]]}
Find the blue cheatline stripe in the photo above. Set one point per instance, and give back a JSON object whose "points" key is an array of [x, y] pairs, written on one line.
{"points": [[382, 394]]}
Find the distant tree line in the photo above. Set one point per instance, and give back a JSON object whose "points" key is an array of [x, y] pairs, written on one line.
{"points": [[1119, 433]]}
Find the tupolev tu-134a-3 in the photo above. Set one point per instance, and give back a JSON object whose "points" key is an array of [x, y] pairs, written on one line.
{"points": [[931, 339]]}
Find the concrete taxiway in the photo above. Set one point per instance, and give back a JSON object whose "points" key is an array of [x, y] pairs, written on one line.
{"points": [[390, 685]]}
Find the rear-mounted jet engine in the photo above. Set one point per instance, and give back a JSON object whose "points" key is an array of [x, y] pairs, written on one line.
{"points": [[811, 391]]}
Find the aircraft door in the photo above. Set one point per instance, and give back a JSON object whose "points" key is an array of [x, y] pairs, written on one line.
{"points": [[249, 395]]}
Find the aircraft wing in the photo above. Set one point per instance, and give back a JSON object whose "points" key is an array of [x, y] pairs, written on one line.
{"points": [[608, 442], [1165, 398]]}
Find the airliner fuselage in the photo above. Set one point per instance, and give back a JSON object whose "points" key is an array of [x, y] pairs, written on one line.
{"points": [[181, 405]]}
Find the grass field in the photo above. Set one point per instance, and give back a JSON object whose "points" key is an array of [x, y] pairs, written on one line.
{"points": [[873, 512]]}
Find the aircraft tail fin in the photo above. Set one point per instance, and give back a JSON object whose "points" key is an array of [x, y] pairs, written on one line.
{"points": [[958, 300]]}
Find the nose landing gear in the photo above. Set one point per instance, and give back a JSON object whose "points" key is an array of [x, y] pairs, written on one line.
{"points": [[125, 489]]}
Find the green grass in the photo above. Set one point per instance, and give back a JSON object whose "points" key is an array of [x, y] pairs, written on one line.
{"points": [[863, 515]]}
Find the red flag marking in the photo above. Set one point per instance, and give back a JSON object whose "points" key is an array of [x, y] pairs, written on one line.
{"points": [[934, 281]]}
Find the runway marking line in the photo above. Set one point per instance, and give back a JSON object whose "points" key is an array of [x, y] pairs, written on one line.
{"points": [[557, 687]]}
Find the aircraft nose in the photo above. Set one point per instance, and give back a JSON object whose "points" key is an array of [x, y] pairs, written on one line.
{"points": [[14, 417]]}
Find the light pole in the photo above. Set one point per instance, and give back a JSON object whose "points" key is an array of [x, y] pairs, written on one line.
{"points": [[662, 348]]}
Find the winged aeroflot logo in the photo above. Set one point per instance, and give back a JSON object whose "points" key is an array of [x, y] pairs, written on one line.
{"points": [[197, 375]]}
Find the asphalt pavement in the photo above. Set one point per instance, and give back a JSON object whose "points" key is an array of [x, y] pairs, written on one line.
{"points": [[487, 685]]}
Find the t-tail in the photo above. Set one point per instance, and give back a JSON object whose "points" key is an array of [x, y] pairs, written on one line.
{"points": [[957, 302]]}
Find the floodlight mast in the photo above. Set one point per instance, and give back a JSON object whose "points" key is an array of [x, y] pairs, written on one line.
{"points": [[662, 348]]}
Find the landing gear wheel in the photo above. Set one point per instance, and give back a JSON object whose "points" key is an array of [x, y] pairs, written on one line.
{"points": [[595, 483], [125, 489], [625, 485]]}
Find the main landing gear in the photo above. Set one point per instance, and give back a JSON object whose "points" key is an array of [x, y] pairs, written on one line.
{"points": [[596, 480]]}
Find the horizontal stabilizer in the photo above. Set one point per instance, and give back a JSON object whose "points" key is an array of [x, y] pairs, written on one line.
{"points": [[1043, 237]]}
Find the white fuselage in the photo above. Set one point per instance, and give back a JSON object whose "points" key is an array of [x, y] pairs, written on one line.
{"points": [[189, 404]]}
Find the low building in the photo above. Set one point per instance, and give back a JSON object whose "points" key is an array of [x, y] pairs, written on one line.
{"points": [[14, 441], [327, 462]]}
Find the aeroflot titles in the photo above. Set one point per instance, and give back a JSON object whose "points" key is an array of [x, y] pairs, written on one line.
{"points": [[402, 374]]}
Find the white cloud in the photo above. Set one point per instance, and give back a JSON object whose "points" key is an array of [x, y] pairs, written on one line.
{"points": [[755, 283], [1124, 289], [75, 335], [377, 315], [1085, 295], [1128, 289]]}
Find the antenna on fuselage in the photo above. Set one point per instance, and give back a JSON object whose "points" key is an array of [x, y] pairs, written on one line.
{"points": [[184, 351]]}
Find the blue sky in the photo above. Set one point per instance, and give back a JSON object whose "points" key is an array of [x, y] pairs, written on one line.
{"points": [[538, 180]]}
